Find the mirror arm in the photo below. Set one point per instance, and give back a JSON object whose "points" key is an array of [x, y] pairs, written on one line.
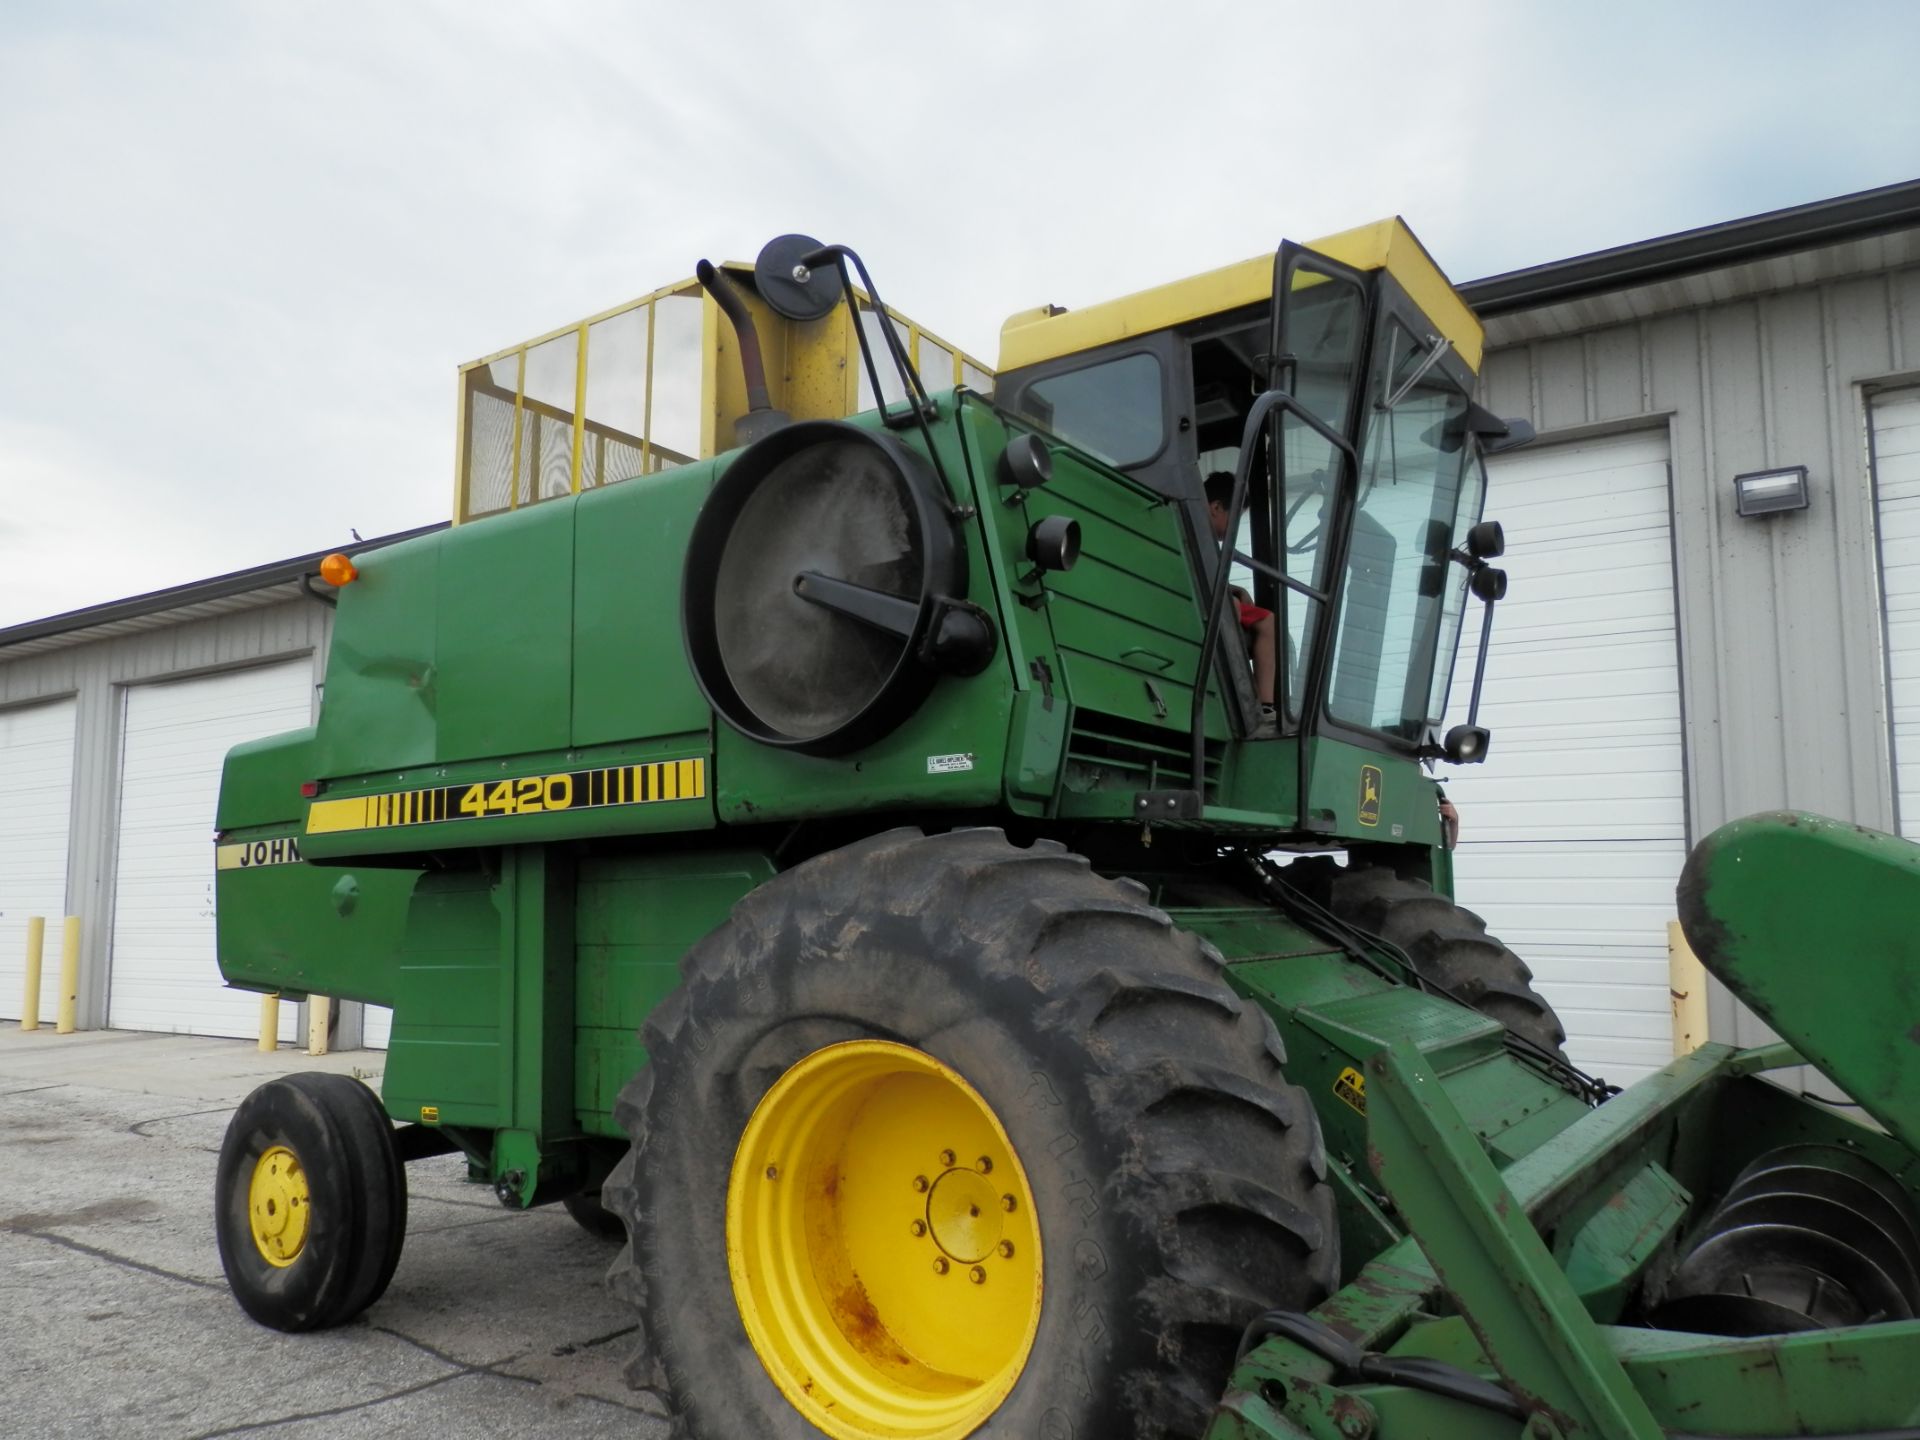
{"points": [[1480, 663]]}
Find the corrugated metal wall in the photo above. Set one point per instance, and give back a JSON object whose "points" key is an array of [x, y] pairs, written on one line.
{"points": [[95, 674], [1779, 619]]}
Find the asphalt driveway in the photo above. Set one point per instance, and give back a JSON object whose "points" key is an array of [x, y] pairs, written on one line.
{"points": [[115, 1318]]}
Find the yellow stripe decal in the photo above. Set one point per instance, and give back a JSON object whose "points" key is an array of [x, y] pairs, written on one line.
{"points": [[659, 780]]}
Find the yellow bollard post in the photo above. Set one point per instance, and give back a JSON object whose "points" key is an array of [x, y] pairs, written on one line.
{"points": [[68, 1016], [269, 1023], [30, 1001], [319, 1010], [1687, 984]]}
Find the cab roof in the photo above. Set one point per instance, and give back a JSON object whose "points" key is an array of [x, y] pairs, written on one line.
{"points": [[1047, 333]]}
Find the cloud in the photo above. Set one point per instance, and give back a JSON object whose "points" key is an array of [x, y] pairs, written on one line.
{"points": [[247, 246]]}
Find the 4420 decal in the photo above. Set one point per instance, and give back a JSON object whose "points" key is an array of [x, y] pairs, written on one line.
{"points": [[647, 784]]}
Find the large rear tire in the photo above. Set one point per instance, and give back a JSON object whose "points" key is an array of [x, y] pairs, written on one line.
{"points": [[1177, 1181], [1447, 943]]}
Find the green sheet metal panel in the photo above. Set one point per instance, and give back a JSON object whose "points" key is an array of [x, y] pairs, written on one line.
{"points": [[382, 699], [637, 916], [450, 1046], [260, 782], [320, 929], [1366, 795], [504, 644], [630, 673]]}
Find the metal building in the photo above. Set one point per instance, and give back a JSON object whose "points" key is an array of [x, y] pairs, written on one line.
{"points": [[114, 721], [1662, 663]]}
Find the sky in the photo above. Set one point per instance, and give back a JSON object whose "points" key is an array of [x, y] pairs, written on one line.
{"points": [[245, 246]]}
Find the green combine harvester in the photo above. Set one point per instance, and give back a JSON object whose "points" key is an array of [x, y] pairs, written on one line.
{"points": [[837, 845]]}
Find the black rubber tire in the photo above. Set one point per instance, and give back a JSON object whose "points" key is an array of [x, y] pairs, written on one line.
{"points": [[1447, 943], [1179, 1180], [593, 1217], [357, 1189]]}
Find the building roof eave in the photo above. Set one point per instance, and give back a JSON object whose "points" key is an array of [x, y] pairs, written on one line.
{"points": [[1858, 216], [273, 575]]}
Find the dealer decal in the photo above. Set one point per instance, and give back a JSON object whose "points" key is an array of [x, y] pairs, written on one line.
{"points": [[523, 795], [256, 853]]}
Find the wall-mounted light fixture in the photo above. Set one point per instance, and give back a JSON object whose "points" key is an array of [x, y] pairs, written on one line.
{"points": [[1771, 492]]}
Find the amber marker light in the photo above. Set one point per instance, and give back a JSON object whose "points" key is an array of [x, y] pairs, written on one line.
{"points": [[338, 570]]}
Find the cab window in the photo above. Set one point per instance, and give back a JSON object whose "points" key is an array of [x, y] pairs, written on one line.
{"points": [[1113, 409]]}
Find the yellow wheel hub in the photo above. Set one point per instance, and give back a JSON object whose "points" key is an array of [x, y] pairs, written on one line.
{"points": [[278, 1206], [882, 1244]]}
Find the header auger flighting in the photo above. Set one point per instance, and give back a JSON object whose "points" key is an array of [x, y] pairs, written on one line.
{"points": [[818, 819]]}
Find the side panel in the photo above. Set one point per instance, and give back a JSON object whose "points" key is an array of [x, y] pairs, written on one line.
{"points": [[382, 689], [451, 1038], [1369, 796], [637, 917], [504, 651], [630, 675], [311, 929], [520, 993]]}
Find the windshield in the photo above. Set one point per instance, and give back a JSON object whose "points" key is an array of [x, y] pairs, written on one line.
{"points": [[1401, 609]]}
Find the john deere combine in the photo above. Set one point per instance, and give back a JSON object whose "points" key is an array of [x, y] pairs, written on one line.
{"points": [[847, 851]]}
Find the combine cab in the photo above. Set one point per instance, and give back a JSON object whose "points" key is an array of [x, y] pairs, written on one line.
{"points": [[957, 891]]}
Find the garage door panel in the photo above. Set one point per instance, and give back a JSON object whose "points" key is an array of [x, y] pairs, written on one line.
{"points": [[1895, 418], [163, 973], [1567, 586], [1635, 661], [1528, 761], [1574, 831], [36, 776], [1631, 614]]}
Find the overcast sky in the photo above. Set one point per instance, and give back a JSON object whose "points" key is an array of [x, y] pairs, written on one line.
{"points": [[243, 247]]}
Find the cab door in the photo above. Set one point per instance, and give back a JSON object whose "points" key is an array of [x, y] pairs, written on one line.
{"points": [[1322, 321]]}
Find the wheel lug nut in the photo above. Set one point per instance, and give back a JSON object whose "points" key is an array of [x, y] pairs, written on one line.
{"points": [[940, 1266], [984, 1165], [978, 1275], [1006, 1249], [918, 1227], [946, 1157], [1006, 1203], [920, 1183]]}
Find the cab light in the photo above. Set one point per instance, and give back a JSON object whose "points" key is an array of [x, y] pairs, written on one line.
{"points": [[338, 570]]}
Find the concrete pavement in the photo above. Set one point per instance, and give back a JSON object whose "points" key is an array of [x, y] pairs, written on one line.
{"points": [[115, 1318]]}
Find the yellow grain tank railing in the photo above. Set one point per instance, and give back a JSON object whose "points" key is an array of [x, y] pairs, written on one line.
{"points": [[656, 383]]}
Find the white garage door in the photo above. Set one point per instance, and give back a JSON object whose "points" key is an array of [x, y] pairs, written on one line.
{"points": [[1574, 830], [376, 1026], [163, 972], [1896, 481], [36, 776]]}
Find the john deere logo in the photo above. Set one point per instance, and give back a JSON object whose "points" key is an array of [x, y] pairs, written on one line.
{"points": [[1370, 779]]}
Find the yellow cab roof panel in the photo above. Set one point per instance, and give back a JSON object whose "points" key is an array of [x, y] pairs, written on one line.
{"points": [[1046, 334]]}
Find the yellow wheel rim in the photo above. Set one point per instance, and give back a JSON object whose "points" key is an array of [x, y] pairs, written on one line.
{"points": [[278, 1206], [882, 1244]]}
